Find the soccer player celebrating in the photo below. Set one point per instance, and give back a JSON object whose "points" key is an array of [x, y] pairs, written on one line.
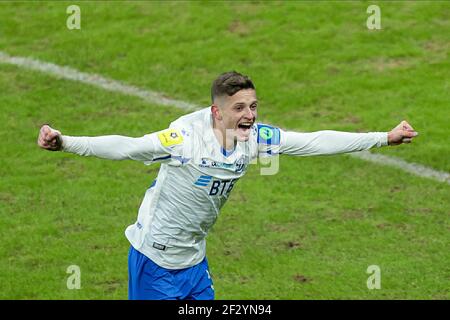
{"points": [[202, 155]]}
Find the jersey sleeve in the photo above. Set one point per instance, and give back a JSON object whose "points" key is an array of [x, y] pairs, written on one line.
{"points": [[161, 146], [328, 142], [268, 139], [170, 146]]}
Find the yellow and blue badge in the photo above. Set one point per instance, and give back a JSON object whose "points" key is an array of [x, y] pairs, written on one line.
{"points": [[170, 137], [268, 134]]}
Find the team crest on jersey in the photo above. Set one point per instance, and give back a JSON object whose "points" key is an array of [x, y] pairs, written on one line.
{"points": [[241, 163], [170, 137]]}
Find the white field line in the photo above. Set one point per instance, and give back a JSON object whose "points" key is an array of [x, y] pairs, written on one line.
{"points": [[160, 99], [414, 168], [94, 80]]}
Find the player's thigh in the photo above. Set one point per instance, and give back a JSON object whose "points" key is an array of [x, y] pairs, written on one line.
{"points": [[205, 294], [203, 288], [147, 280]]}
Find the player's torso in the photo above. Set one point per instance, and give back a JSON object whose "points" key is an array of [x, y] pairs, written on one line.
{"points": [[194, 191], [195, 184]]}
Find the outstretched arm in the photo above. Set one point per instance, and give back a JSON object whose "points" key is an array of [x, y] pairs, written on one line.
{"points": [[334, 142], [112, 147]]}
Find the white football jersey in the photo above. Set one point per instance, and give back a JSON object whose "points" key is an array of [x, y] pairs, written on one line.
{"points": [[197, 176], [193, 183]]}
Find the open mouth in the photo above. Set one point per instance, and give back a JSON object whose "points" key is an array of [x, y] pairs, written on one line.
{"points": [[245, 125], [243, 130]]}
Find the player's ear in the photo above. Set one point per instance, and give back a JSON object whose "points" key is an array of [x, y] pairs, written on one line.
{"points": [[216, 112]]}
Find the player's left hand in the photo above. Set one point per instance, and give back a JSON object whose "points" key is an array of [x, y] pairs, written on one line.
{"points": [[49, 138], [403, 133]]}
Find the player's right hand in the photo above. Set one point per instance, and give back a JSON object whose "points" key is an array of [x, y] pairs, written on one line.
{"points": [[49, 139]]}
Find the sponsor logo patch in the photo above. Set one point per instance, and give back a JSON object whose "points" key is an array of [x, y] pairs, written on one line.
{"points": [[268, 135], [238, 166], [170, 137]]}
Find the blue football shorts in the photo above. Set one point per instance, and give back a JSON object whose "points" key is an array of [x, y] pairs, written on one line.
{"points": [[149, 281]]}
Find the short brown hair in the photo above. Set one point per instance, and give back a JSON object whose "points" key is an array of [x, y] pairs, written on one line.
{"points": [[229, 83]]}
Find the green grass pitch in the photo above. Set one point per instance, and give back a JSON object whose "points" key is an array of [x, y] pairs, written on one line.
{"points": [[308, 232]]}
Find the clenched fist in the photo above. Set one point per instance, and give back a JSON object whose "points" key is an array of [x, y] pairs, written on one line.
{"points": [[49, 139], [403, 133]]}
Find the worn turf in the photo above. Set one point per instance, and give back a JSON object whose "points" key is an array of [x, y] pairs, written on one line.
{"points": [[308, 232]]}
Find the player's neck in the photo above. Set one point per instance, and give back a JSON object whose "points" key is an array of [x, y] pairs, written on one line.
{"points": [[226, 143]]}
